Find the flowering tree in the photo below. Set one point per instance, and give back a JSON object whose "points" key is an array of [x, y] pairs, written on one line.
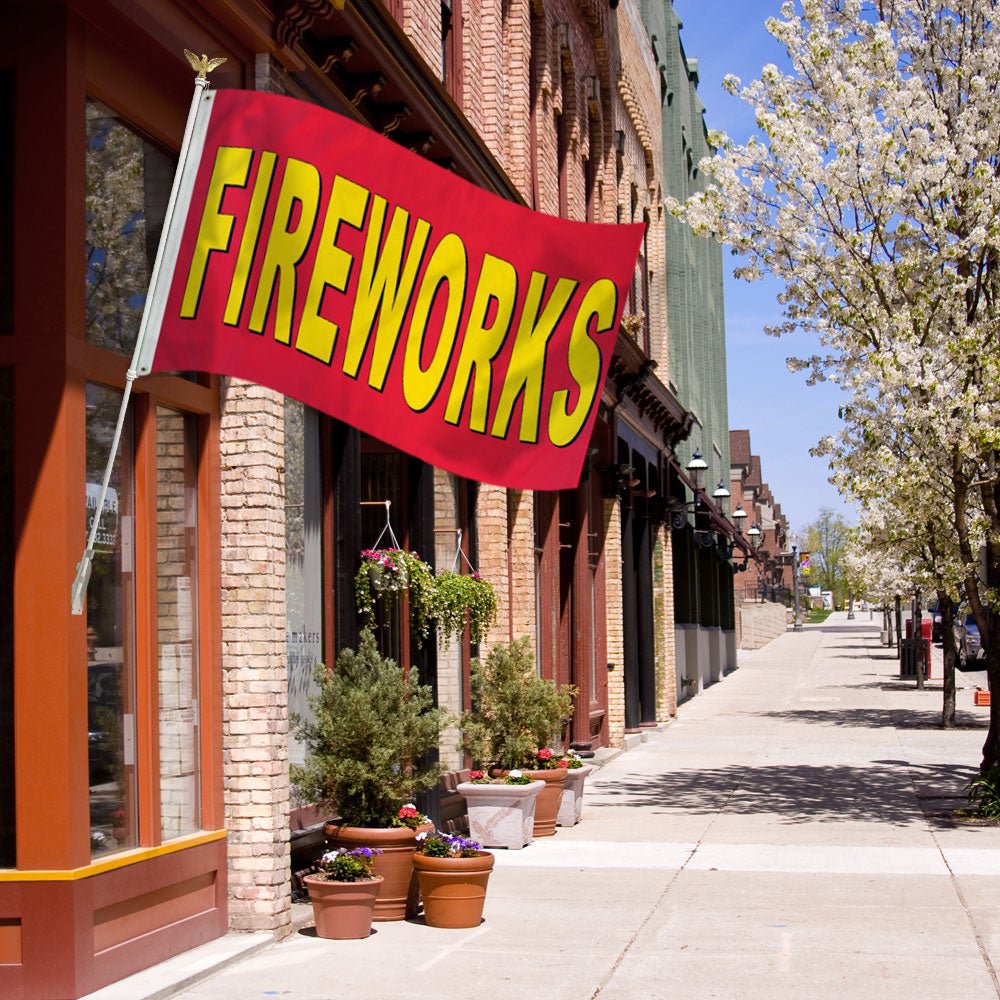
{"points": [[874, 194]]}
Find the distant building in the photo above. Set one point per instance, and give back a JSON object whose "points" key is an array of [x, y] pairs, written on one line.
{"points": [[770, 577]]}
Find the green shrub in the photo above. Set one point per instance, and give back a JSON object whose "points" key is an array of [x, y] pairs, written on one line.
{"points": [[515, 712], [984, 794], [366, 750]]}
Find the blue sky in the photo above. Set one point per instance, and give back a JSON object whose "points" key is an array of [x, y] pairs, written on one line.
{"points": [[785, 416]]}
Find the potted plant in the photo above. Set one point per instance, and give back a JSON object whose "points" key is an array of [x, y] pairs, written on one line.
{"points": [[453, 874], [384, 573], [514, 713], [343, 892], [119, 825], [459, 596], [571, 803], [501, 810], [367, 751]]}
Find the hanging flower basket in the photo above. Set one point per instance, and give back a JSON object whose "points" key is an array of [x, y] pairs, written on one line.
{"points": [[383, 573], [460, 595]]}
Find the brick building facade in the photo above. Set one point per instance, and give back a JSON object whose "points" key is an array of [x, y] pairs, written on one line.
{"points": [[231, 538]]}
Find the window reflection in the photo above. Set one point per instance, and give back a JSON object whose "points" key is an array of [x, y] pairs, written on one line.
{"points": [[110, 632], [303, 570], [177, 621], [128, 185]]}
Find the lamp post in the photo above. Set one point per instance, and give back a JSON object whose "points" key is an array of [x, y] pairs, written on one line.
{"points": [[797, 623]]}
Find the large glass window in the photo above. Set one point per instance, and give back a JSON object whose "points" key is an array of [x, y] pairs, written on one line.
{"points": [[303, 560], [7, 846], [177, 621], [110, 632], [128, 185]]}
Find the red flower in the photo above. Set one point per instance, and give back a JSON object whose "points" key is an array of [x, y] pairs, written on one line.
{"points": [[475, 775], [562, 762], [545, 754], [408, 812]]}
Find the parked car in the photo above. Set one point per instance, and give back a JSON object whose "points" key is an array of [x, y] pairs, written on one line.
{"points": [[935, 613], [968, 643]]}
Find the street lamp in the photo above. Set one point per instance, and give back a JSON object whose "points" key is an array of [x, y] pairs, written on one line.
{"points": [[739, 516], [697, 468], [755, 535], [720, 492]]}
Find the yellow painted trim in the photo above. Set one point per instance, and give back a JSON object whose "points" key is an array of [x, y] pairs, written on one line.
{"points": [[122, 860]]}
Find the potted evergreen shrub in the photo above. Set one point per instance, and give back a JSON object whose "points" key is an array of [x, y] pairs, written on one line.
{"points": [[516, 714], [366, 757]]}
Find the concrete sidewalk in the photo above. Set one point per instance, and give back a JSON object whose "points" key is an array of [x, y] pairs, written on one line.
{"points": [[777, 840]]}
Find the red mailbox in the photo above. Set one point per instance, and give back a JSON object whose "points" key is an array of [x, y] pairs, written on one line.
{"points": [[926, 629]]}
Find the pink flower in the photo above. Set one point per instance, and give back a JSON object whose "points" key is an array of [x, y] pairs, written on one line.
{"points": [[475, 775], [545, 754], [408, 812], [562, 762]]}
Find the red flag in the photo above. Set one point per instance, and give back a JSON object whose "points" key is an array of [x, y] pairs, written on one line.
{"points": [[320, 259]]}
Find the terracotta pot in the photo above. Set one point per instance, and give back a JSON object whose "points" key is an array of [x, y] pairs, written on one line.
{"points": [[571, 803], [501, 815], [454, 889], [548, 800], [399, 894], [343, 910]]}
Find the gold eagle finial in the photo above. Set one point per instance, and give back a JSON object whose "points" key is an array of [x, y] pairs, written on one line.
{"points": [[202, 63]]}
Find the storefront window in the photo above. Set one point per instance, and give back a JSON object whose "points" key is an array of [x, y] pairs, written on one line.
{"points": [[177, 621], [303, 560], [7, 859], [381, 480], [128, 185], [110, 632]]}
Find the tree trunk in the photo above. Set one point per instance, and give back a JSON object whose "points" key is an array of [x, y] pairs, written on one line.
{"points": [[947, 609], [991, 752]]}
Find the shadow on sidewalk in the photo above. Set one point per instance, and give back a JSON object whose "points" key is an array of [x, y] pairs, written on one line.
{"points": [[876, 718], [795, 793]]}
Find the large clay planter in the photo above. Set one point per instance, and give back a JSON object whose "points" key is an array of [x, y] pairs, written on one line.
{"points": [[501, 815], [453, 889], [571, 803], [548, 799], [343, 910], [399, 895]]}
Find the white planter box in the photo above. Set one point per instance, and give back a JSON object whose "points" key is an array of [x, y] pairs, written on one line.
{"points": [[501, 815], [571, 803]]}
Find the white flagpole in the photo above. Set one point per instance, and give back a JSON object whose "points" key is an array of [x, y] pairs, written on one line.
{"points": [[152, 315]]}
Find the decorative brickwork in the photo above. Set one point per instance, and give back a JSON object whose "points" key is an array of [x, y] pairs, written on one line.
{"points": [[255, 673]]}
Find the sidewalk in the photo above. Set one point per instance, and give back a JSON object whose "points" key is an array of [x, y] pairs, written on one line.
{"points": [[777, 840]]}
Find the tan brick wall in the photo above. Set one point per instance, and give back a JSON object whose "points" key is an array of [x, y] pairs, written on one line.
{"points": [[491, 523], [255, 673], [449, 662], [760, 624], [663, 623], [614, 619]]}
